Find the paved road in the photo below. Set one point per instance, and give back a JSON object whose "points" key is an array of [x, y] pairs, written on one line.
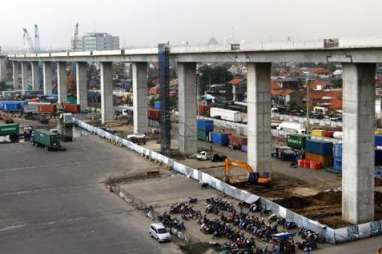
{"points": [[54, 202]]}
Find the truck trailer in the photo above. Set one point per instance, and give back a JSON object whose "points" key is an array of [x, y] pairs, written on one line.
{"points": [[12, 130], [47, 139]]}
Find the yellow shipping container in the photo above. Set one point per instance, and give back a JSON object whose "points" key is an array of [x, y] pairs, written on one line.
{"points": [[378, 132], [318, 133]]}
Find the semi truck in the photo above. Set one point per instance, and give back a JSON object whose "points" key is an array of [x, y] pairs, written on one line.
{"points": [[12, 130], [49, 140]]}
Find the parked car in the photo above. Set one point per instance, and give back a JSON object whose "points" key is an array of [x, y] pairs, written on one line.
{"points": [[159, 232]]}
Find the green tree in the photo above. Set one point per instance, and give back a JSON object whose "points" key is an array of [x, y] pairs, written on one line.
{"points": [[213, 74]]}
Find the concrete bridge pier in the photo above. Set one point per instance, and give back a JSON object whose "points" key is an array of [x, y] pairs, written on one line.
{"points": [[259, 116], [47, 77], [106, 92], [16, 74], [3, 69], [140, 102], [187, 140], [358, 142], [82, 85], [24, 76], [35, 76], [62, 87]]}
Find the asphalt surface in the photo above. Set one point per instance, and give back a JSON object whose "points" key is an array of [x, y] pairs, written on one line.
{"points": [[54, 202]]}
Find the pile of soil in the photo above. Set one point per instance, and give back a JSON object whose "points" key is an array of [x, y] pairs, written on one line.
{"points": [[325, 207]]}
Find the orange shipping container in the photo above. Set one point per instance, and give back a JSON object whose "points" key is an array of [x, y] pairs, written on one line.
{"points": [[47, 108], [71, 108], [325, 161]]}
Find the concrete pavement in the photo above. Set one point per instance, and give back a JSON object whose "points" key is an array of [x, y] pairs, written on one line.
{"points": [[54, 202]]}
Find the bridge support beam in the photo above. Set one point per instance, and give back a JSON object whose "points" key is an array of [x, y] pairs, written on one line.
{"points": [[187, 140], [358, 143], [259, 116], [47, 77], [16, 74], [82, 85], [24, 76], [35, 76], [140, 97], [3, 69], [62, 87], [106, 92]]}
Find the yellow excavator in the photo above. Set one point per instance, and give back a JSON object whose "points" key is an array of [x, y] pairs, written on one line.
{"points": [[251, 176]]}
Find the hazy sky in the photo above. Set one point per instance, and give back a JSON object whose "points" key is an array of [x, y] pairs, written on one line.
{"points": [[148, 22]]}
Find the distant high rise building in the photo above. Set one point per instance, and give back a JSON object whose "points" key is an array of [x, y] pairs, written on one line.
{"points": [[99, 41]]}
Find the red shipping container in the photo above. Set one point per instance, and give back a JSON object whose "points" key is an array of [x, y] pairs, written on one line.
{"points": [[236, 141], [154, 114], [328, 134], [71, 108], [204, 109], [47, 108]]}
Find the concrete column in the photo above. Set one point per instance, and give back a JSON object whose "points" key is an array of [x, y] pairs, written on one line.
{"points": [[259, 116], [358, 142], [3, 69], [24, 76], [187, 140], [48, 77], [139, 75], [15, 74], [82, 85], [62, 86], [106, 92], [35, 76]]}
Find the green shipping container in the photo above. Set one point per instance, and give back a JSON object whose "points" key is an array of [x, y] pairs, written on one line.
{"points": [[12, 129], [203, 135], [45, 138], [296, 141]]}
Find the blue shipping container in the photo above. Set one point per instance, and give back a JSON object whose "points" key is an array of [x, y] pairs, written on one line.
{"points": [[219, 138], [337, 151], [318, 147], [157, 104], [207, 125], [378, 140], [337, 165], [244, 148], [11, 106], [378, 157]]}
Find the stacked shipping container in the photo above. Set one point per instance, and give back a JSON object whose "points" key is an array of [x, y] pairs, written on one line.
{"points": [[204, 127]]}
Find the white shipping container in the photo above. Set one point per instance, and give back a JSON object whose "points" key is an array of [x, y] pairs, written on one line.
{"points": [[337, 135], [291, 128], [226, 114], [31, 108]]}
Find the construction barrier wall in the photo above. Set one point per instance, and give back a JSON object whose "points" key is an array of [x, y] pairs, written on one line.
{"points": [[333, 236]]}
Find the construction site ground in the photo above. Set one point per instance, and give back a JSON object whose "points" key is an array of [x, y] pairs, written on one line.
{"points": [[315, 194]]}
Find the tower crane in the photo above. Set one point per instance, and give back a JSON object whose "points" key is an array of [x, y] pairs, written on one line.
{"points": [[28, 43], [36, 39]]}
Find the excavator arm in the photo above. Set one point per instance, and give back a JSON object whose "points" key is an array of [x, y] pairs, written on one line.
{"points": [[228, 164]]}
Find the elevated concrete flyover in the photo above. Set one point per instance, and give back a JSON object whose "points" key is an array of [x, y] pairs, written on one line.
{"points": [[359, 62]]}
